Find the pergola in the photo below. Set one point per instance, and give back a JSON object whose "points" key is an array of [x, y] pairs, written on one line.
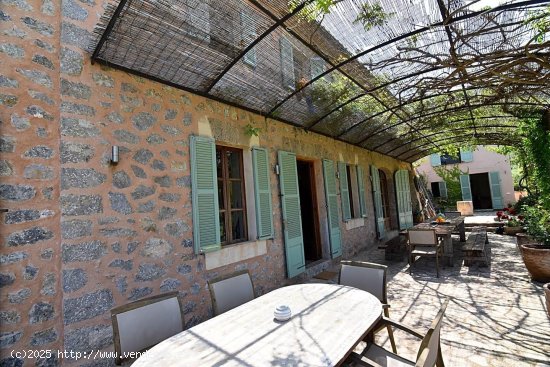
{"points": [[403, 78]]}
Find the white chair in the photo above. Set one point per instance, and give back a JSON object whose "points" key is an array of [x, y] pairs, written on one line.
{"points": [[371, 278], [429, 352], [139, 325], [423, 242], [230, 291]]}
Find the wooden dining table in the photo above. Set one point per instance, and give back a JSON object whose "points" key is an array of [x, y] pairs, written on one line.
{"points": [[445, 231], [327, 322]]}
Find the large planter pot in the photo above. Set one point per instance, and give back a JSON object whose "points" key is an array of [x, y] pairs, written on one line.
{"points": [[537, 261], [546, 288], [511, 231], [523, 238]]}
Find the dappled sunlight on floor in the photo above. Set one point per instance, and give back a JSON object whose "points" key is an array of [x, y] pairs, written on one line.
{"points": [[496, 315]]}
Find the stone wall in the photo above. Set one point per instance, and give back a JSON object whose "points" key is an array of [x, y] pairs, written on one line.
{"points": [[83, 235], [31, 296]]}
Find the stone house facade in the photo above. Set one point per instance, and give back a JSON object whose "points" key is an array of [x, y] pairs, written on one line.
{"points": [[83, 235]]}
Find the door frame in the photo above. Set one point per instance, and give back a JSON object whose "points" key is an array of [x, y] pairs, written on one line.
{"points": [[315, 209]]}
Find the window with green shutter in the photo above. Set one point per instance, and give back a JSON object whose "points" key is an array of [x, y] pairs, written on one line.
{"points": [[496, 192], [248, 35], [231, 195], [287, 64], [292, 221], [204, 188], [466, 155], [361, 188], [316, 66], [378, 205], [465, 187], [435, 160], [262, 191], [404, 204], [344, 191], [332, 208]]}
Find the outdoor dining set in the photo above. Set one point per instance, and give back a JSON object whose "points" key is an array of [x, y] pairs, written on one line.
{"points": [[312, 324]]}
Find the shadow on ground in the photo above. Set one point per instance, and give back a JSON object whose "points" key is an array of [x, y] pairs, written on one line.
{"points": [[496, 315]]}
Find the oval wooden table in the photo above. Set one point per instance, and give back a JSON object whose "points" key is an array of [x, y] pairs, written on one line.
{"points": [[328, 321]]}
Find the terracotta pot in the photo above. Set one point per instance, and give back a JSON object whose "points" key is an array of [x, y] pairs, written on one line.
{"points": [[511, 231], [524, 239], [546, 288], [537, 261]]}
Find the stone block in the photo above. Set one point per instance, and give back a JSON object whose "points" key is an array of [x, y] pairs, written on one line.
{"points": [[87, 307]]}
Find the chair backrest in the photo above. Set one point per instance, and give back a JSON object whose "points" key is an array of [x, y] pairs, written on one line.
{"points": [[430, 348], [144, 323], [231, 291], [365, 276], [422, 236], [452, 214]]}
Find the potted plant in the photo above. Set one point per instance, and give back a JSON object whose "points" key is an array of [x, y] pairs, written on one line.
{"points": [[536, 256], [513, 226]]}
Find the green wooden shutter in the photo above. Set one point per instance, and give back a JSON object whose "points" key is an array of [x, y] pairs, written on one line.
{"points": [[316, 66], [496, 193], [361, 186], [204, 186], [332, 208], [435, 160], [262, 191], [377, 194], [466, 156], [465, 187], [248, 35], [344, 191], [404, 204], [292, 221], [442, 189], [287, 64]]}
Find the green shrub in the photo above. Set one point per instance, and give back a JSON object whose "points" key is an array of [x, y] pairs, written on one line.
{"points": [[537, 223]]}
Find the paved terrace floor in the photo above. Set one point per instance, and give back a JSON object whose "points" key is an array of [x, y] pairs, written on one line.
{"points": [[496, 315]]}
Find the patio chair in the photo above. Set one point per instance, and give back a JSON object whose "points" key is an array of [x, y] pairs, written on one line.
{"points": [[429, 352], [230, 291], [452, 214], [370, 278], [139, 325], [423, 242]]}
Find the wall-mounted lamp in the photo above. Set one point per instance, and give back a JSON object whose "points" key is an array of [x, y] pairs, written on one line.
{"points": [[114, 154]]}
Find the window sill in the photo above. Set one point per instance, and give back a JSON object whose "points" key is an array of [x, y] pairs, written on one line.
{"points": [[355, 223], [235, 253]]}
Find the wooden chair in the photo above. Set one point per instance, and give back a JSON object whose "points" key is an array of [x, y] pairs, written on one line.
{"points": [[423, 242], [429, 352], [230, 291], [371, 278], [139, 325]]}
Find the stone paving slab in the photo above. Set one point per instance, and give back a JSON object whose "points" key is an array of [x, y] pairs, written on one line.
{"points": [[496, 315]]}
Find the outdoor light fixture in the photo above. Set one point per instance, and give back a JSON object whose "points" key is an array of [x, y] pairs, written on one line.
{"points": [[114, 154]]}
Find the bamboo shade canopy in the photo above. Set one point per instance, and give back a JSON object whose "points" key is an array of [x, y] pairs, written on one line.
{"points": [[424, 74]]}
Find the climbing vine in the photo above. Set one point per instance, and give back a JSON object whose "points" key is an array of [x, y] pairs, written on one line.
{"points": [[451, 176]]}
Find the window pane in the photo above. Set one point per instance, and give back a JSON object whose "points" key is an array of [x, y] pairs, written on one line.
{"points": [[234, 164], [237, 224], [236, 195], [219, 162], [221, 197], [350, 191], [223, 234]]}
